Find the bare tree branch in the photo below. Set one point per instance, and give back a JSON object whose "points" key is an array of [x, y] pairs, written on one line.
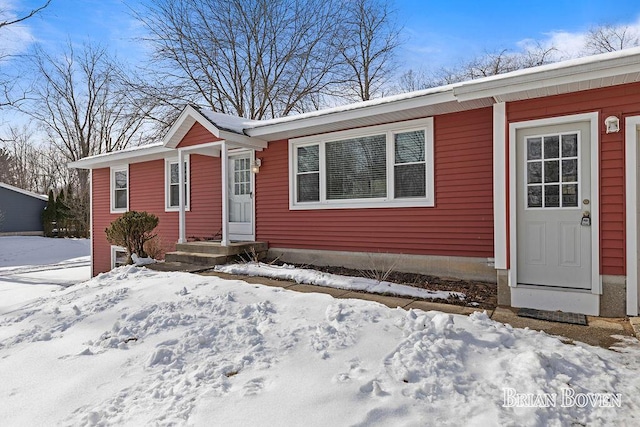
{"points": [[24, 17]]}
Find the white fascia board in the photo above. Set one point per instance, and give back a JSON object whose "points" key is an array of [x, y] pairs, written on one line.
{"points": [[142, 154], [346, 114], [591, 68], [25, 192], [191, 115], [243, 141], [177, 132]]}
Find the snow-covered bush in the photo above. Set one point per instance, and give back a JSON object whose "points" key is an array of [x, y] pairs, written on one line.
{"points": [[131, 231]]}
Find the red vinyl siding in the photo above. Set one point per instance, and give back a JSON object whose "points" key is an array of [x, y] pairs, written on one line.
{"points": [[146, 186], [197, 135], [619, 101], [461, 223], [101, 249]]}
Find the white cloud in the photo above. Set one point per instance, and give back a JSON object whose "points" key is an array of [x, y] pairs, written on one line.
{"points": [[574, 44]]}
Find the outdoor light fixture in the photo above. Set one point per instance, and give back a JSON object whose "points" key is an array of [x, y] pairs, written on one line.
{"points": [[612, 123], [255, 165]]}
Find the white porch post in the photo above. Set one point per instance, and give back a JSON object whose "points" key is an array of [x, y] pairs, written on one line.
{"points": [[224, 158], [181, 217]]}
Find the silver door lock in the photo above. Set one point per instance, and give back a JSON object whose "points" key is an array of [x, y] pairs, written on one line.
{"points": [[586, 219]]}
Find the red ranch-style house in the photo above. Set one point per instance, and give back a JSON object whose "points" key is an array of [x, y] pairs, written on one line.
{"points": [[527, 179]]}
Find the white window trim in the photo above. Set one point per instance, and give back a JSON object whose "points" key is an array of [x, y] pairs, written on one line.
{"points": [[112, 185], [167, 179], [386, 202], [115, 249]]}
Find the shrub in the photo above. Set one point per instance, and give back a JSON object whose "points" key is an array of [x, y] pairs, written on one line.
{"points": [[131, 231]]}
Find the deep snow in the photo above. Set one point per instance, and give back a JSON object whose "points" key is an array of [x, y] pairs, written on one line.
{"points": [[137, 347]]}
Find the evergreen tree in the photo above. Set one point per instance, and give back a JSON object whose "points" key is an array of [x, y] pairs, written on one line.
{"points": [[49, 215], [62, 214]]}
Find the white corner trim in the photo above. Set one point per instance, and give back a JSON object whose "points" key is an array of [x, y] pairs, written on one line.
{"points": [[500, 174], [112, 171], [631, 202], [592, 118], [385, 202]]}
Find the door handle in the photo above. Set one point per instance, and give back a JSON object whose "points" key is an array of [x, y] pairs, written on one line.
{"points": [[586, 219]]}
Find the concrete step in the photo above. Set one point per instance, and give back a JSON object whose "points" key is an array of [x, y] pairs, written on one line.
{"points": [[235, 248], [195, 258]]}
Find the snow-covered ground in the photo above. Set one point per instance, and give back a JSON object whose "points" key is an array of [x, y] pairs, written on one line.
{"points": [[318, 278], [137, 347], [32, 266]]}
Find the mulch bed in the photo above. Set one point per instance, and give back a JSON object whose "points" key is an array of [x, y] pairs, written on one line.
{"points": [[479, 294]]}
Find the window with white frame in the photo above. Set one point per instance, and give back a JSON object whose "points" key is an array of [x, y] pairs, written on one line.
{"points": [[172, 184], [118, 256], [380, 166], [119, 189]]}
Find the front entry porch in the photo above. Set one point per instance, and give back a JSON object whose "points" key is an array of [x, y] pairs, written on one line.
{"points": [[208, 254]]}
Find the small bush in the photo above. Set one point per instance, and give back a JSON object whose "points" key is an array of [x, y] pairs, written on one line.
{"points": [[131, 231]]}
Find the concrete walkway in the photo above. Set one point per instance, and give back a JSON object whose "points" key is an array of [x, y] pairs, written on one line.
{"points": [[601, 331]]}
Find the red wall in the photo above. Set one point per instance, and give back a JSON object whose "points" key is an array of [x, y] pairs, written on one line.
{"points": [[146, 193], [197, 135], [460, 224], [620, 101]]}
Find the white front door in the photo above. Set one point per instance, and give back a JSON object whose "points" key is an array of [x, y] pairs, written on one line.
{"points": [[553, 199], [240, 193]]}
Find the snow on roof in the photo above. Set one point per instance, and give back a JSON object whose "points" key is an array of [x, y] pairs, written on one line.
{"points": [[240, 125], [227, 122]]}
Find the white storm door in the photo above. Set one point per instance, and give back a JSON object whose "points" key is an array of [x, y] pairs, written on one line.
{"points": [[240, 193], [553, 197]]}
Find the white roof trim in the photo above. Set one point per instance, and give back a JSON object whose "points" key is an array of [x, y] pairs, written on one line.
{"points": [[190, 115], [524, 84], [355, 111], [130, 155], [559, 73], [25, 192]]}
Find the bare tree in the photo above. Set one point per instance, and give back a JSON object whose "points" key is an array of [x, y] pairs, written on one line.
{"points": [[84, 108], [493, 63], [412, 80], [82, 105], [8, 82], [371, 38], [251, 58], [609, 38], [32, 166]]}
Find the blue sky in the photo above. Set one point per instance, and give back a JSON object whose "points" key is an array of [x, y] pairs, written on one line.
{"points": [[437, 33]]}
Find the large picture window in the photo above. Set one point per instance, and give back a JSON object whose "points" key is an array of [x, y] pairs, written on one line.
{"points": [[381, 166]]}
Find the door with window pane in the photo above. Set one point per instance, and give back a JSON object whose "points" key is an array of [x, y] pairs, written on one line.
{"points": [[553, 195], [240, 195]]}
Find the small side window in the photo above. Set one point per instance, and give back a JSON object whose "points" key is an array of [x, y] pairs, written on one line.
{"points": [[119, 189], [118, 256]]}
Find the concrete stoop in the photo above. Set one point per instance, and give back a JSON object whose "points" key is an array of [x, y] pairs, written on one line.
{"points": [[208, 253]]}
